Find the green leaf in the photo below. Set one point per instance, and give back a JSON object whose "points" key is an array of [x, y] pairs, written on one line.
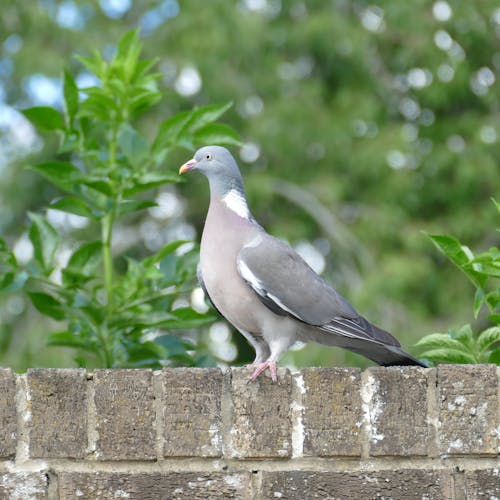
{"points": [[95, 64], [450, 247], [96, 109], [73, 205], [205, 361], [117, 86], [488, 338], [101, 185], [486, 257], [69, 142], [495, 357], [479, 300], [48, 305], [492, 270], [87, 257], [496, 204], [179, 129], [174, 345], [206, 114], [163, 252], [149, 320], [13, 282], [170, 129], [151, 180], [440, 340], [186, 317], [127, 43], [80, 361], [70, 91], [95, 313], [493, 299], [142, 101], [144, 65], [465, 335], [100, 96], [217, 133], [460, 255], [44, 118], [145, 354], [62, 174], [6, 281], [179, 268], [133, 145], [69, 339], [45, 240], [127, 53], [446, 355], [127, 206], [7, 258], [494, 318]]}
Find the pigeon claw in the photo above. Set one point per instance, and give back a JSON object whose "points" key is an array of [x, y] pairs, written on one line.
{"points": [[262, 367]]}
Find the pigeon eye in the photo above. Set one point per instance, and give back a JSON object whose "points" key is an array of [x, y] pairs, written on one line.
{"points": [[208, 156]]}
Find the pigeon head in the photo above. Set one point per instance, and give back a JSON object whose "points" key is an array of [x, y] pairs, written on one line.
{"points": [[219, 167]]}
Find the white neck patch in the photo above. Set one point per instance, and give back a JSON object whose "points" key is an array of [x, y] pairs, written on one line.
{"points": [[236, 202]]}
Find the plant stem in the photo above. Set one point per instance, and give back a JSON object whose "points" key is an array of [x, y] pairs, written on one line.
{"points": [[103, 336], [106, 234], [107, 257]]}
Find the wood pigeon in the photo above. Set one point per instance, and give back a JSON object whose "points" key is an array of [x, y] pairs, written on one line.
{"points": [[264, 288]]}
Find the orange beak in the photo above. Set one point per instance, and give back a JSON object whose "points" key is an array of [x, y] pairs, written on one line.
{"points": [[189, 165]]}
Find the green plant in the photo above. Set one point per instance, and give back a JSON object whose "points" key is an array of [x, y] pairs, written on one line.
{"points": [[113, 318], [463, 346]]}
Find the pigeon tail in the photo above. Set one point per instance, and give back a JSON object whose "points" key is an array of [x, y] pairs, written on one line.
{"points": [[387, 355]]}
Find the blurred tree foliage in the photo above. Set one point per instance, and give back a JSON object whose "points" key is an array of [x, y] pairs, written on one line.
{"points": [[364, 124]]}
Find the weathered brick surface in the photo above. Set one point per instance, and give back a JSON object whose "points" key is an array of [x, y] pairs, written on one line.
{"points": [[58, 416], [23, 486], [191, 405], [169, 485], [201, 415], [8, 419], [401, 485], [482, 484], [397, 408], [261, 416], [468, 409], [332, 416], [125, 414]]}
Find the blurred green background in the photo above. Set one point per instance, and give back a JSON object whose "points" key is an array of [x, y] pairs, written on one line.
{"points": [[363, 124]]}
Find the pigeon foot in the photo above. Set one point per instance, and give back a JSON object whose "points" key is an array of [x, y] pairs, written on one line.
{"points": [[262, 367]]}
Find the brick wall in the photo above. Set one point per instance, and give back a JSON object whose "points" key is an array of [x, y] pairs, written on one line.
{"points": [[199, 433]]}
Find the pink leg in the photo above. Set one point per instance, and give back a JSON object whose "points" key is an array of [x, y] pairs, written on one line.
{"points": [[262, 367]]}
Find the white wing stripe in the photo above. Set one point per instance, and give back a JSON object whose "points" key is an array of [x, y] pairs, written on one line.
{"points": [[247, 275], [280, 304]]}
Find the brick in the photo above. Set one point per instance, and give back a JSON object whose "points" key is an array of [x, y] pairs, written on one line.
{"points": [[332, 417], [482, 484], [468, 409], [125, 414], [396, 484], [56, 401], [191, 403], [171, 485], [261, 415], [8, 418], [396, 400], [23, 485]]}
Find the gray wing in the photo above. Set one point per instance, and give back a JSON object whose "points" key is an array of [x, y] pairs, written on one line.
{"points": [[288, 286]]}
